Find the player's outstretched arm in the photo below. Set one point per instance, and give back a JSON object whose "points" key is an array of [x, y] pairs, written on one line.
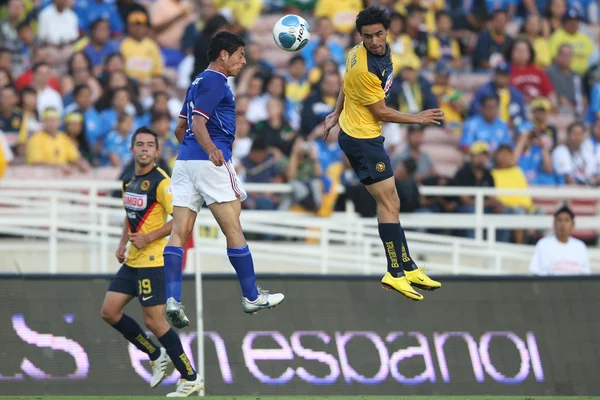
{"points": [[332, 119], [202, 136], [385, 114]]}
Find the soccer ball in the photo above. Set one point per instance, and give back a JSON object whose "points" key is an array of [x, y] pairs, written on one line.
{"points": [[291, 32]]}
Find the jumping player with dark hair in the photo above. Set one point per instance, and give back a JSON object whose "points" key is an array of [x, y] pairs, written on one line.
{"points": [[360, 111], [147, 201], [204, 173]]}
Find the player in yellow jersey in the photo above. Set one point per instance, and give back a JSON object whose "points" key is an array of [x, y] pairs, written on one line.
{"points": [[360, 111], [148, 202]]}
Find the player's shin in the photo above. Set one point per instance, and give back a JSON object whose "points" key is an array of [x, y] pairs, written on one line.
{"points": [[135, 334], [396, 249], [241, 259], [173, 257], [172, 344]]}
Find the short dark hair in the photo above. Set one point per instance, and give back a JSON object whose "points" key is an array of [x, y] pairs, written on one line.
{"points": [[295, 59], [10, 86], [227, 41], [575, 124], [564, 209], [487, 98], [122, 116], [442, 13], [511, 47], [37, 66], [97, 22], [79, 88], [145, 129], [157, 116], [373, 15], [4, 50]]}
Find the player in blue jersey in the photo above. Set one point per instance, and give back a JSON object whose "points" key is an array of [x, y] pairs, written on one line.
{"points": [[204, 173]]}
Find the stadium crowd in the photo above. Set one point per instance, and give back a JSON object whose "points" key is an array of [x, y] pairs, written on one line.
{"points": [[518, 80]]}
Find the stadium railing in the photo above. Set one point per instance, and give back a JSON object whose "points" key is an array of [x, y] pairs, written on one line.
{"points": [[65, 216]]}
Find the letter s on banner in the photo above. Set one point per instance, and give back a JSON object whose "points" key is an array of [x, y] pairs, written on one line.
{"points": [[251, 355], [320, 356]]}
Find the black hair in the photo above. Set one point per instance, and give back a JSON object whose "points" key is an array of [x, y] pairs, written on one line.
{"points": [[97, 22], [122, 117], [213, 25], [573, 125], [442, 13], [11, 87], [4, 50], [79, 88], [372, 15], [260, 143], [8, 75], [111, 56], [162, 78], [38, 65], [145, 129], [24, 24], [564, 209], [487, 98], [160, 115], [504, 146], [85, 57], [513, 44], [82, 142], [230, 42], [296, 59], [410, 164]]}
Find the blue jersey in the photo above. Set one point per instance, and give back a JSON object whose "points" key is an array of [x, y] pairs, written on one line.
{"points": [[210, 97]]}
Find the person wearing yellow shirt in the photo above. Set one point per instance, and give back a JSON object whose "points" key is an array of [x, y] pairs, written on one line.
{"points": [[507, 175], [245, 12], [6, 155], [442, 46], [297, 86], [449, 99], [143, 58], [582, 45], [341, 12], [429, 7], [532, 31], [53, 147]]}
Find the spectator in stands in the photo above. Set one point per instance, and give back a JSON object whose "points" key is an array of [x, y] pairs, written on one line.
{"points": [[121, 103], [28, 107], [160, 84], [591, 77], [342, 14], [411, 92], [406, 185], [58, 25], [442, 45], [5, 78], [593, 112], [6, 155], [260, 166], [8, 28], [304, 174], [275, 130], [593, 145], [75, 130], [532, 155], [297, 87], [555, 13], [167, 143], [507, 175], [39, 54], [546, 132], [475, 173], [94, 130], [510, 100], [99, 46], [212, 26], [127, 7], [582, 45], [142, 55], [11, 118], [423, 162], [567, 83], [320, 103], [436, 204], [400, 43], [324, 36], [561, 254], [449, 98], [525, 75], [79, 69], [53, 147], [27, 40], [486, 127], [412, 28], [117, 142], [574, 162], [118, 80], [532, 32], [47, 97], [491, 41], [169, 18], [274, 87], [327, 66], [256, 59], [242, 142]]}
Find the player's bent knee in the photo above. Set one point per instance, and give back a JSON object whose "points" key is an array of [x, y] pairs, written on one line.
{"points": [[110, 316]]}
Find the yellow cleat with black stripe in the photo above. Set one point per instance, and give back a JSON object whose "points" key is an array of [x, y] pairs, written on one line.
{"points": [[400, 285], [417, 278]]}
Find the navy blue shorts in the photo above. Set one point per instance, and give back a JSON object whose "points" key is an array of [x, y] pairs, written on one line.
{"points": [[149, 285], [368, 158]]}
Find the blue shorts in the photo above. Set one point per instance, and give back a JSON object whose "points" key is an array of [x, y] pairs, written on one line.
{"points": [[149, 285], [368, 158]]}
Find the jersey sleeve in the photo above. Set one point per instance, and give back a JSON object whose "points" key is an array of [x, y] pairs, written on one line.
{"points": [[367, 88], [208, 95], [164, 195], [183, 112]]}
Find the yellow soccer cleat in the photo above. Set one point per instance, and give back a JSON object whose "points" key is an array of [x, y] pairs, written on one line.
{"points": [[418, 279], [401, 285]]}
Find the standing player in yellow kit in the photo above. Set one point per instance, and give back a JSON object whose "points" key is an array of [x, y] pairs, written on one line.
{"points": [[360, 111]]}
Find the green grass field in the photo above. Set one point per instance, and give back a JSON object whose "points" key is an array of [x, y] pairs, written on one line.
{"points": [[305, 398]]}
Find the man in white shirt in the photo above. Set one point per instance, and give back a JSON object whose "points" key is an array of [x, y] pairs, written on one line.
{"points": [[46, 96], [58, 24], [561, 254], [572, 160]]}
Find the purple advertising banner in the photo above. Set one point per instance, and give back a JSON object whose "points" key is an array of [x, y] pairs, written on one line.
{"points": [[342, 336]]}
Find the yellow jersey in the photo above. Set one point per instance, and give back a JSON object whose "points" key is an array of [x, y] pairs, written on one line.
{"points": [[342, 13], [148, 201], [512, 178], [58, 149], [582, 45], [367, 80], [143, 59]]}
